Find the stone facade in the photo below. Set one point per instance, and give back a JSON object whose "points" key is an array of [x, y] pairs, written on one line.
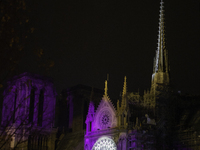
{"points": [[110, 127], [29, 112], [73, 115]]}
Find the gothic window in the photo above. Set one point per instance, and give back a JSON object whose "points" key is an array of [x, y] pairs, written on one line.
{"points": [[29, 142], [122, 119], [86, 147], [105, 119], [31, 107], [40, 107], [40, 142], [45, 143], [14, 109], [33, 142], [104, 143], [90, 126]]}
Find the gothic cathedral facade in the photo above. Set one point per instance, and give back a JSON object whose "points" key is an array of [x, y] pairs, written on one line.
{"points": [[113, 128]]}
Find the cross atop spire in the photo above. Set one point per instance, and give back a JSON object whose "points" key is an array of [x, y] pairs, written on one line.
{"points": [[161, 58]]}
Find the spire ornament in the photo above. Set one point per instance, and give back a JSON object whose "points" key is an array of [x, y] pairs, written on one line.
{"points": [[106, 89], [124, 102], [124, 88]]}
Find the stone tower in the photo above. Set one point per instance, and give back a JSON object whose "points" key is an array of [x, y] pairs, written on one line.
{"points": [[28, 112]]}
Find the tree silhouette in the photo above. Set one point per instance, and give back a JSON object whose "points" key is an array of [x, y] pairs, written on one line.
{"points": [[14, 31], [28, 113]]}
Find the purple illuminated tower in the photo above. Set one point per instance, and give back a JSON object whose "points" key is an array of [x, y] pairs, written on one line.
{"points": [[29, 111]]}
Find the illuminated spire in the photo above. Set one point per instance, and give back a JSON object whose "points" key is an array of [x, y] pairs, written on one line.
{"points": [[161, 58], [124, 92], [124, 88], [106, 89], [91, 108]]}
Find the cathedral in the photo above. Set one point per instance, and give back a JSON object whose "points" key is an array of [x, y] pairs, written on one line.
{"points": [[85, 118], [120, 128]]}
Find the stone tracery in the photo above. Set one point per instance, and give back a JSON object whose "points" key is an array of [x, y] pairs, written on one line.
{"points": [[105, 119], [104, 143]]}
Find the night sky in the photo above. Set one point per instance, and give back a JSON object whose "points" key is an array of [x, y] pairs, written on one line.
{"points": [[89, 39]]}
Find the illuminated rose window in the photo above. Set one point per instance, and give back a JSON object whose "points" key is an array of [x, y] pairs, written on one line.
{"points": [[104, 143]]}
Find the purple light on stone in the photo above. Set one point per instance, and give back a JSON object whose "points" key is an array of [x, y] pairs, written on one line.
{"points": [[17, 98], [90, 117]]}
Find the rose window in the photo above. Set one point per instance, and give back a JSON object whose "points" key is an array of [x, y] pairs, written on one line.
{"points": [[105, 119], [104, 143]]}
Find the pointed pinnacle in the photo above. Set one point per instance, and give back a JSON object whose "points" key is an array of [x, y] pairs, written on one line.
{"points": [[106, 89], [124, 88]]}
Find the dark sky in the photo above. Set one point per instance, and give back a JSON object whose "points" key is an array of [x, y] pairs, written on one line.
{"points": [[89, 39]]}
